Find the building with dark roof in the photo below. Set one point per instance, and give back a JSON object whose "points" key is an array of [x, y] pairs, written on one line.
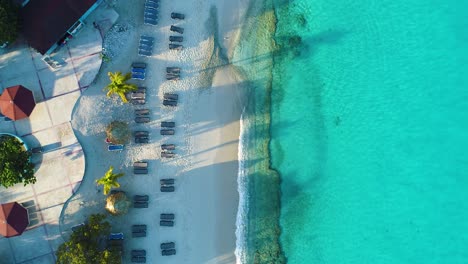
{"points": [[48, 24]]}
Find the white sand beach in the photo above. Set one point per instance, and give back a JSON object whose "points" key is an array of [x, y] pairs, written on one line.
{"points": [[207, 133]]}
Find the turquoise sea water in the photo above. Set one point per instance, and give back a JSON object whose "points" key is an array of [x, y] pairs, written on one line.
{"points": [[369, 129]]}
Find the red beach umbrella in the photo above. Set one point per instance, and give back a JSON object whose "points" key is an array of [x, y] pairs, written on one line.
{"points": [[17, 102], [13, 219]]}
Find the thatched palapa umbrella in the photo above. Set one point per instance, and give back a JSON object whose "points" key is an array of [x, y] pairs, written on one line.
{"points": [[117, 203], [118, 132]]}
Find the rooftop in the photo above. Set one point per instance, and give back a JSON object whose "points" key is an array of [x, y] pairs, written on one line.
{"points": [[46, 21]]}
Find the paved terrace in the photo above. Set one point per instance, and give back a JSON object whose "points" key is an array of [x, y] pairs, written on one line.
{"points": [[60, 169]]}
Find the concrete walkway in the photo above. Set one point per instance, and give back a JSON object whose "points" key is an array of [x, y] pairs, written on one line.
{"points": [[60, 169]]}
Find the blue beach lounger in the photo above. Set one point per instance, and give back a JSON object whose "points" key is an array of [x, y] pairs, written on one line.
{"points": [[113, 236], [144, 53], [151, 22], [153, 16], [147, 38], [152, 2], [138, 76], [151, 10], [151, 5], [138, 70], [147, 47], [115, 147]]}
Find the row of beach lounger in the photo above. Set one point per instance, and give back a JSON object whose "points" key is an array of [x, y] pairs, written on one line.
{"points": [[115, 241], [167, 185], [172, 73], [140, 167], [145, 47], [151, 12], [139, 231], [166, 220], [141, 137], [142, 115], [173, 39], [138, 97], [139, 70], [140, 201], [138, 256], [170, 99], [168, 249]]}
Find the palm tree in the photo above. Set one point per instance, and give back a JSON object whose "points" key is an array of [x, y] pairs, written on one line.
{"points": [[109, 180], [119, 85]]}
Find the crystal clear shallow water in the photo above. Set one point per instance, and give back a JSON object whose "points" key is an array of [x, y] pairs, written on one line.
{"points": [[368, 125]]}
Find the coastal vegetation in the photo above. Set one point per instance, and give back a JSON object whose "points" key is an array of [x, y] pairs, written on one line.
{"points": [[109, 180], [84, 244], [9, 22], [119, 85], [15, 164]]}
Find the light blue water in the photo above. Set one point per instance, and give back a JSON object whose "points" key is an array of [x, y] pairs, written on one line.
{"points": [[370, 130]]}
